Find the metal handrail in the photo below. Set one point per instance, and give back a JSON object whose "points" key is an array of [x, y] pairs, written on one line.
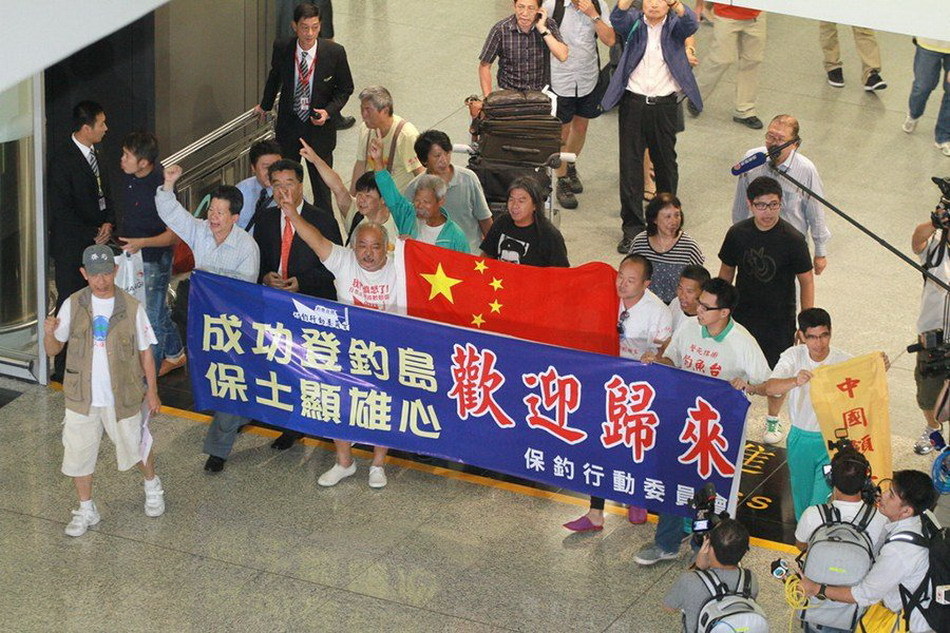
{"points": [[232, 125]]}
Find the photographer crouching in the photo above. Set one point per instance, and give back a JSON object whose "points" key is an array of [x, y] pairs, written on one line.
{"points": [[929, 243]]}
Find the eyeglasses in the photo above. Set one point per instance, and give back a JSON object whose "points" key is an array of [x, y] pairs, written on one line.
{"points": [[702, 307], [774, 138], [623, 317], [771, 206]]}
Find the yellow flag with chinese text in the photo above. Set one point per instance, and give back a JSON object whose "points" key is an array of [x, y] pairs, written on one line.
{"points": [[851, 401]]}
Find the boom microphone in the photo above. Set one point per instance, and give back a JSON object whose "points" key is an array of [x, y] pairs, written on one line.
{"points": [[749, 163]]}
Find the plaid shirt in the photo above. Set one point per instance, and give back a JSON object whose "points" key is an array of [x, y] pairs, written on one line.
{"points": [[523, 58]]}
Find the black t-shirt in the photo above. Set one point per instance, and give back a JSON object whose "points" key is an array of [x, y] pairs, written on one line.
{"points": [[767, 262], [540, 244]]}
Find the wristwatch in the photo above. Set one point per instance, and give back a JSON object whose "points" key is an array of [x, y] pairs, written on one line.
{"points": [[821, 592], [544, 33], [596, 18]]}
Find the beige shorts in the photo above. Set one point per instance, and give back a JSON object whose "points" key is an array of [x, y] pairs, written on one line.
{"points": [[82, 433]]}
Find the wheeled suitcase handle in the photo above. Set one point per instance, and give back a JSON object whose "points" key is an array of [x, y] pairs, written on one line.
{"points": [[514, 149]]}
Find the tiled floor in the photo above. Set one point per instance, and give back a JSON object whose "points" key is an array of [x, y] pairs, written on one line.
{"points": [[262, 547]]}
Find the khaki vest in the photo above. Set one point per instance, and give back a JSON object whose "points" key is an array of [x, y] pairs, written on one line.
{"points": [[125, 364]]}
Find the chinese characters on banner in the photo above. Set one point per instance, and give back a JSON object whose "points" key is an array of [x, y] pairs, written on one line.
{"points": [[599, 425], [851, 401]]}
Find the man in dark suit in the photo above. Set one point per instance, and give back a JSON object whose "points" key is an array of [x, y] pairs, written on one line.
{"points": [[80, 205], [315, 83], [287, 263]]}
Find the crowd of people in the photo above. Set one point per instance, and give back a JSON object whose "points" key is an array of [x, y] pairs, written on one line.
{"points": [[672, 309]]}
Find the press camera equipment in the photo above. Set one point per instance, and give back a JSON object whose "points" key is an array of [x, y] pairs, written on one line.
{"points": [[780, 569], [704, 503], [941, 467], [941, 215], [870, 492]]}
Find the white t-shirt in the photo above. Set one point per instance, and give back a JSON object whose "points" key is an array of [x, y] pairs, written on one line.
{"points": [[647, 326], [932, 297], [828, 612], [793, 360], [102, 395], [676, 310], [731, 354], [359, 287], [426, 233]]}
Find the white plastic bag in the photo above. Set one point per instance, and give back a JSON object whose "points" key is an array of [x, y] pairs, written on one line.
{"points": [[131, 274]]}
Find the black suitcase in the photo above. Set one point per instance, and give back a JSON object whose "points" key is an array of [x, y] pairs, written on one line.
{"points": [[516, 104], [530, 141]]}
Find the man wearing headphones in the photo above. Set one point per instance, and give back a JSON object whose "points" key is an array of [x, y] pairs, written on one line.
{"points": [[850, 474], [899, 563]]}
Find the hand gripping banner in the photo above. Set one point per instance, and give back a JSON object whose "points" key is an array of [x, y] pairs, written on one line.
{"points": [[648, 435]]}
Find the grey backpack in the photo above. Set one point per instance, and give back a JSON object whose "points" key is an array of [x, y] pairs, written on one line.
{"points": [[839, 552], [728, 610]]}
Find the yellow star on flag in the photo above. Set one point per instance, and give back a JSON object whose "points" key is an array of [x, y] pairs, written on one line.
{"points": [[441, 283], [495, 306], [495, 283], [477, 320], [480, 266]]}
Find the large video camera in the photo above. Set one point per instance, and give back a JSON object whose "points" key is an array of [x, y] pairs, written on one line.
{"points": [[704, 503], [936, 349], [870, 492]]}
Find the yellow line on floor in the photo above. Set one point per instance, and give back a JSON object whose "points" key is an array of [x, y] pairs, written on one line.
{"points": [[449, 473]]}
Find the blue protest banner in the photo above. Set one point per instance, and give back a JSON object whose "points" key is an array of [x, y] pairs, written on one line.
{"points": [[648, 435]]}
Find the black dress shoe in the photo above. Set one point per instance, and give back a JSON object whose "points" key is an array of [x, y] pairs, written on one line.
{"points": [[625, 245], [286, 440], [753, 122], [346, 122], [214, 464]]}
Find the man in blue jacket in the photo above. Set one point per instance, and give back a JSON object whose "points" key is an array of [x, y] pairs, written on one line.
{"points": [[651, 78]]}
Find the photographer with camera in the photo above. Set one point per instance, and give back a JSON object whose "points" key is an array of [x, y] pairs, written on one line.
{"points": [[900, 563], [929, 242], [717, 568], [828, 532]]}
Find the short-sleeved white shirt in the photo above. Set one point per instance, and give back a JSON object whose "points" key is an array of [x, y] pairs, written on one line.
{"points": [[647, 326], [732, 354], [102, 395], [793, 360], [359, 287], [676, 311], [828, 612], [932, 296]]}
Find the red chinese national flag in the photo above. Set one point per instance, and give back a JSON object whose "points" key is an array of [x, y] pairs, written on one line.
{"points": [[570, 307]]}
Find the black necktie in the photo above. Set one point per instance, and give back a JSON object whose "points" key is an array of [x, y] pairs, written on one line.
{"points": [[262, 201]]}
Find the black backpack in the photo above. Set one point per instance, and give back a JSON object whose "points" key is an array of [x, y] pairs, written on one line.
{"points": [[937, 542]]}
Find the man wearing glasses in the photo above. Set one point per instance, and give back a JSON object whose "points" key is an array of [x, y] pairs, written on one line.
{"points": [[770, 255], [799, 209], [712, 344]]}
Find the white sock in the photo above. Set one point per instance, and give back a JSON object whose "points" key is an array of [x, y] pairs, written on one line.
{"points": [[86, 505], [153, 484]]}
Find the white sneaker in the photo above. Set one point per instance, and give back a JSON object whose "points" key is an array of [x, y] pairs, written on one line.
{"points": [[377, 477], [773, 431], [943, 147], [82, 519], [333, 476], [923, 445], [155, 500], [910, 124]]}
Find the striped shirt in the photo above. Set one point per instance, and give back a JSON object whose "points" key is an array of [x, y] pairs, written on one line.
{"points": [[522, 57], [798, 209], [668, 266], [237, 257]]}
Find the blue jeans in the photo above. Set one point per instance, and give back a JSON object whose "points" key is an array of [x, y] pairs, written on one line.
{"points": [[669, 532], [929, 67], [157, 276]]}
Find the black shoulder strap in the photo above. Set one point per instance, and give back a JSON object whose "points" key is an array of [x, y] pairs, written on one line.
{"points": [[744, 584], [558, 15], [714, 585], [909, 537], [866, 517], [828, 514]]}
